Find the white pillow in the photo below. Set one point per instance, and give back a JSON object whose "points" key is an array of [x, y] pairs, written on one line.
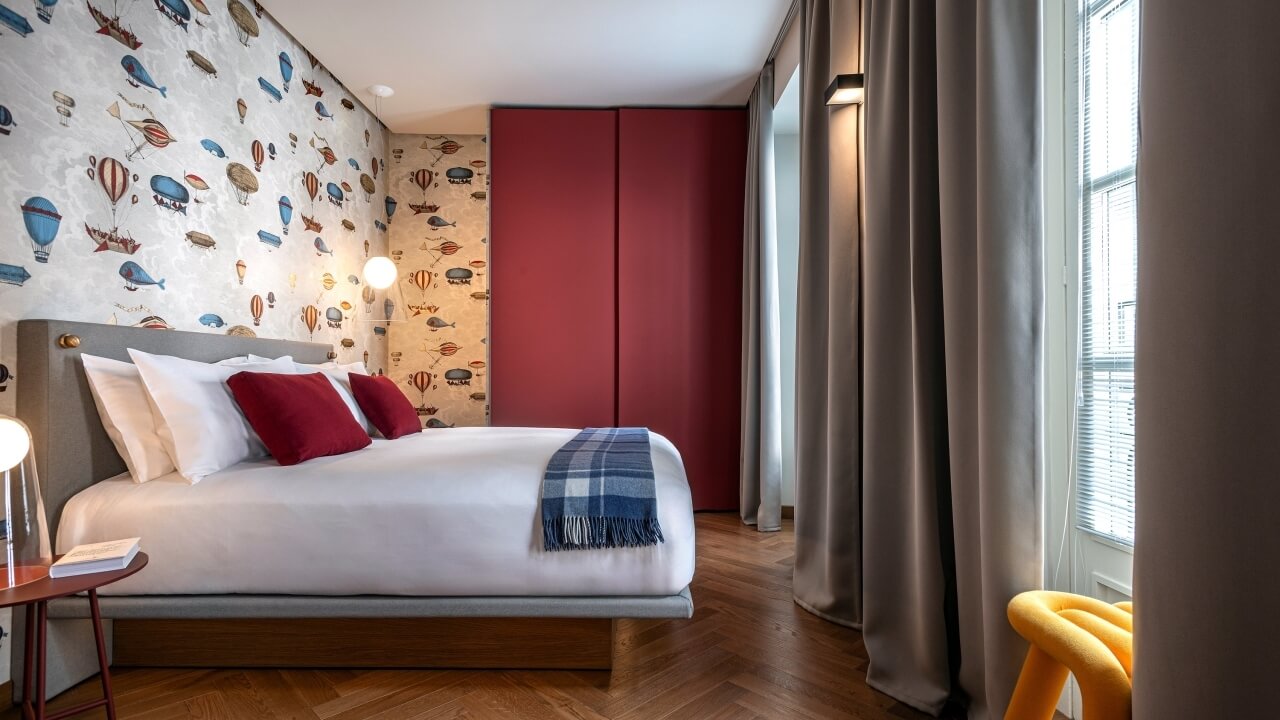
{"points": [[126, 414], [197, 418]]}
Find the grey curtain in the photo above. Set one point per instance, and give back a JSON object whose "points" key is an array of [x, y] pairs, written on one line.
{"points": [[1207, 631], [828, 573], [952, 296], [761, 463]]}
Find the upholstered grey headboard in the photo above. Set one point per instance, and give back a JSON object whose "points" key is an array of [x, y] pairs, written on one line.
{"points": [[72, 449]]}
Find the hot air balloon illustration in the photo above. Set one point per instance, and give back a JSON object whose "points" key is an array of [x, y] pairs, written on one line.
{"points": [[390, 202], [175, 10], [64, 104], [459, 175], [213, 148], [42, 221], [321, 248], [293, 280], [212, 320], [269, 239], [241, 267], [354, 165], [436, 221], [422, 280], [271, 300], [6, 121], [111, 27], [255, 309], [446, 146], [327, 157], [242, 108], [388, 309], [312, 184], [138, 75], [200, 8], [13, 274], [246, 26], [134, 276], [169, 193], [151, 132], [458, 276], [311, 318], [293, 143], [333, 316], [335, 194], [327, 281], [367, 186], [286, 69], [312, 88], [422, 177], [373, 167], [286, 212], [368, 296], [382, 227], [259, 154], [243, 180], [44, 11], [271, 150], [322, 112], [113, 178], [196, 182], [458, 376], [435, 323], [421, 380]]}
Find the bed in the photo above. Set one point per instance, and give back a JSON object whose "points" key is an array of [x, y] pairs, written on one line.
{"points": [[419, 552]]}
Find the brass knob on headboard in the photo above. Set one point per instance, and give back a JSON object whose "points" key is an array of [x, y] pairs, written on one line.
{"points": [[68, 341], [333, 355]]}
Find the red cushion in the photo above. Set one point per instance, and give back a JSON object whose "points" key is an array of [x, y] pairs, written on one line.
{"points": [[385, 406], [298, 417]]}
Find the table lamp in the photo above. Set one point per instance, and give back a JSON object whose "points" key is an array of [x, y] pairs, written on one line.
{"points": [[25, 532]]}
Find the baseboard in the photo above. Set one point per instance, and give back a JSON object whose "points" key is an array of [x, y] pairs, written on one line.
{"points": [[788, 512], [6, 693]]}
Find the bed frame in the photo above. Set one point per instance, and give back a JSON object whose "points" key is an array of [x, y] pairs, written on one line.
{"points": [[73, 451]]}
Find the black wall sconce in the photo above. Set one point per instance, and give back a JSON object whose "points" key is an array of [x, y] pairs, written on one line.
{"points": [[845, 90]]}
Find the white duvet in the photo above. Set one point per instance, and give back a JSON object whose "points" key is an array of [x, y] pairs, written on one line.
{"points": [[447, 512]]}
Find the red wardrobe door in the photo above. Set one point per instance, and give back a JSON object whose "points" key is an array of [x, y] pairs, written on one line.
{"points": [[552, 253], [680, 202]]}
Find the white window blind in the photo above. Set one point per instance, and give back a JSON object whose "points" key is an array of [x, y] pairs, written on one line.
{"points": [[1104, 445]]}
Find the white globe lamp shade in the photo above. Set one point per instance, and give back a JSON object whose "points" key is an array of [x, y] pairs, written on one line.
{"points": [[15, 443], [380, 272]]}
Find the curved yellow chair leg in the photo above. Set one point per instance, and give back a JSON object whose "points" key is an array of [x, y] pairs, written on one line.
{"points": [[1076, 634]]}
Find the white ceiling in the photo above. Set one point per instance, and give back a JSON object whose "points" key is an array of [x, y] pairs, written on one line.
{"points": [[449, 60]]}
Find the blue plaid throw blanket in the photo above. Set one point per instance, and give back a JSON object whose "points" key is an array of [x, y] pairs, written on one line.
{"points": [[598, 492]]}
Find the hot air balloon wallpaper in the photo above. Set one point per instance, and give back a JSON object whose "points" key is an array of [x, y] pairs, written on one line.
{"points": [[443, 146], [310, 319], [145, 237], [243, 181], [286, 69], [286, 213], [42, 221]]}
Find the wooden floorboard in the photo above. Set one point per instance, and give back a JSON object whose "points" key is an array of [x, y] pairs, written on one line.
{"points": [[748, 652]]}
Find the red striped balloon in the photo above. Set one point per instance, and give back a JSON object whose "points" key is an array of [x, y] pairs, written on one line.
{"points": [[421, 380], [422, 279], [114, 178], [311, 318], [258, 155], [255, 307], [312, 184], [156, 134], [422, 178], [448, 348]]}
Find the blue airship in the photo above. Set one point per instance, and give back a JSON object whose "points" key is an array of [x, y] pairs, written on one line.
{"points": [[13, 274], [134, 276], [321, 248], [286, 69], [270, 89], [436, 221], [6, 120], [322, 111], [138, 75], [14, 21], [214, 148], [268, 238], [352, 162], [459, 175], [211, 320], [44, 10], [170, 193], [175, 10], [353, 279], [391, 207], [335, 194], [380, 225]]}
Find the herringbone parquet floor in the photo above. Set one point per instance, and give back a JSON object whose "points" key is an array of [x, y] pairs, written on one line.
{"points": [[748, 652]]}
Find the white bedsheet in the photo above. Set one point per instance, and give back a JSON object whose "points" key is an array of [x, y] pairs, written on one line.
{"points": [[448, 512]]}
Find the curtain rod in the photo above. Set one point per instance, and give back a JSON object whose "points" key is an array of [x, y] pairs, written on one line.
{"points": [[792, 12]]}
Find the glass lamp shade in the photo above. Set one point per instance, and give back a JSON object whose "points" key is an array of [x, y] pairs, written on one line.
{"points": [[25, 530]]}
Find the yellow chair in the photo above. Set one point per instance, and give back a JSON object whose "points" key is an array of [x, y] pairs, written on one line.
{"points": [[1077, 634]]}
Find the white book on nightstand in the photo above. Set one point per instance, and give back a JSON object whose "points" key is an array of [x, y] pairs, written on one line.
{"points": [[96, 557]]}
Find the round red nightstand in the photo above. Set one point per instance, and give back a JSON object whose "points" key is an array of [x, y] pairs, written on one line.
{"points": [[35, 596]]}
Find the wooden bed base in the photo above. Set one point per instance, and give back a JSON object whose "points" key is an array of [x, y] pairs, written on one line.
{"points": [[438, 642]]}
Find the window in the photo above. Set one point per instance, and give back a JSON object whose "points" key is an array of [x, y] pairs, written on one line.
{"points": [[1108, 127]]}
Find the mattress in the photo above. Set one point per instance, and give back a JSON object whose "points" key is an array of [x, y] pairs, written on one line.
{"points": [[444, 513]]}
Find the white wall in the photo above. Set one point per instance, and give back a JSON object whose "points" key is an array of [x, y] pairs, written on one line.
{"points": [[787, 177]]}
